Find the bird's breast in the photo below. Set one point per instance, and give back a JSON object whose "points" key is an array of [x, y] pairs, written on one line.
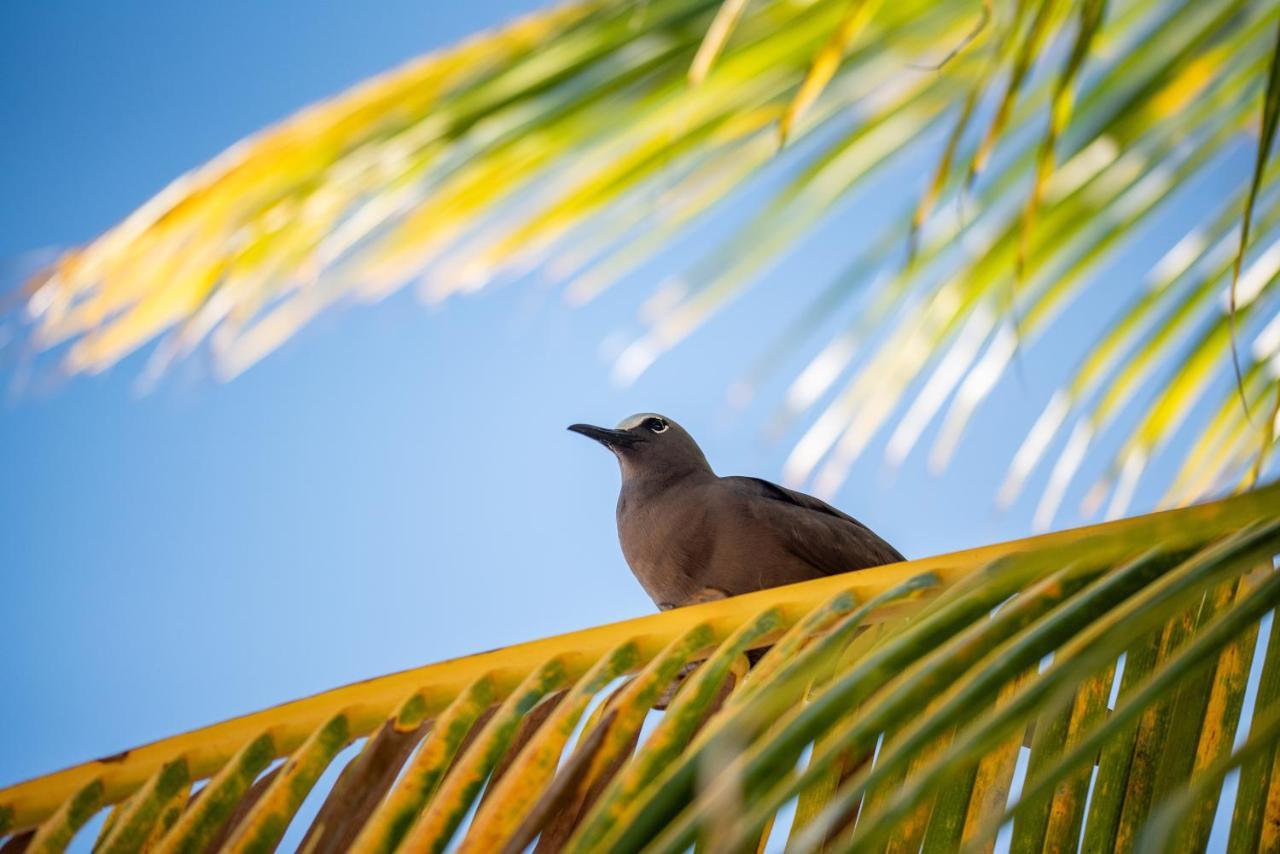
{"points": [[665, 543]]}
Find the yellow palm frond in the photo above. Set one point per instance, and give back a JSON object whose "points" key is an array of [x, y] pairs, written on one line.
{"points": [[939, 661]]}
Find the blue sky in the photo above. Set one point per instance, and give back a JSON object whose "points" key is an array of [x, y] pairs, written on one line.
{"points": [[393, 487]]}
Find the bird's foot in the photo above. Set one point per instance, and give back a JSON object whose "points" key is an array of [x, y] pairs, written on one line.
{"points": [[706, 594], [670, 693]]}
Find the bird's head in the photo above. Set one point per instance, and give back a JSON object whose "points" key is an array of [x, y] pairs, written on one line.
{"points": [[649, 444]]}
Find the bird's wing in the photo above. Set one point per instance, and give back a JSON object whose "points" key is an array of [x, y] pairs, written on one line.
{"points": [[829, 540]]}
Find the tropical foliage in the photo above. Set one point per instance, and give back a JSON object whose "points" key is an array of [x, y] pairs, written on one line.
{"points": [[1088, 688], [1099, 675], [584, 140]]}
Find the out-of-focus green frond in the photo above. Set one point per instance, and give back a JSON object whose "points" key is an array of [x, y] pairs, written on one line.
{"points": [[589, 137], [889, 704], [1267, 135]]}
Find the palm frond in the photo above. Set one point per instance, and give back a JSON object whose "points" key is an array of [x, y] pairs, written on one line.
{"points": [[585, 139], [891, 707]]}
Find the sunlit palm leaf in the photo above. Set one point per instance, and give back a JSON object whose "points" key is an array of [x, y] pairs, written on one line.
{"points": [[892, 703], [590, 137]]}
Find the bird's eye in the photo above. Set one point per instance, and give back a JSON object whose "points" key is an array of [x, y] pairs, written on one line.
{"points": [[656, 425]]}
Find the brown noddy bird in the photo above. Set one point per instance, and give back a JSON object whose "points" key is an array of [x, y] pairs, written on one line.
{"points": [[691, 536]]}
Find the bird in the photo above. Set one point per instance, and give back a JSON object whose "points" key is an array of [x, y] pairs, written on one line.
{"points": [[691, 536]]}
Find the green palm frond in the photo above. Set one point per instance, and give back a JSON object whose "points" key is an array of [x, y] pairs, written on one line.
{"points": [[588, 138], [892, 709]]}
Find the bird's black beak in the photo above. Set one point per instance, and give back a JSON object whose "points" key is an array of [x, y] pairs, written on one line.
{"points": [[609, 438]]}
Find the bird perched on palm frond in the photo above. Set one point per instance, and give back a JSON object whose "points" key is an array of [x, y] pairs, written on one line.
{"points": [[692, 536]]}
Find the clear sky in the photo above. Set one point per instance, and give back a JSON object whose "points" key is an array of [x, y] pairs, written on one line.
{"points": [[393, 487]]}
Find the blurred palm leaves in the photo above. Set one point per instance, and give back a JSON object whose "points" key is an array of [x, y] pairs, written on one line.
{"points": [[1052, 143]]}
